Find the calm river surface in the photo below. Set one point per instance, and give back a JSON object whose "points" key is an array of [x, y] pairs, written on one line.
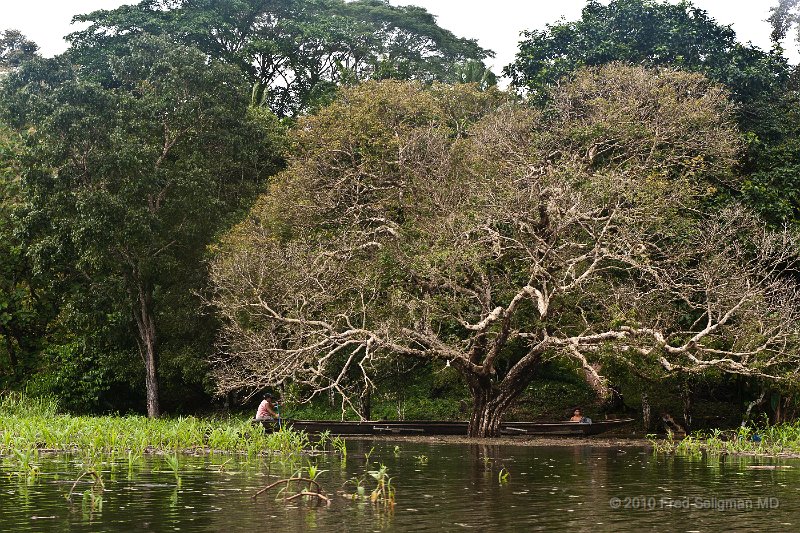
{"points": [[439, 487]]}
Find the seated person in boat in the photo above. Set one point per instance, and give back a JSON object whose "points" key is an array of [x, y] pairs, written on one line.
{"points": [[577, 416], [267, 409]]}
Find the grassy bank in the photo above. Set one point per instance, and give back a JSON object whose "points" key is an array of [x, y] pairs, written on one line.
{"points": [[27, 423], [768, 440]]}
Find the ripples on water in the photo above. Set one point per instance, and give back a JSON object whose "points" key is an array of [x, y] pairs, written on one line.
{"points": [[456, 487]]}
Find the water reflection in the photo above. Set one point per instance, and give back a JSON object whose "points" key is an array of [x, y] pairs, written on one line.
{"points": [[440, 487]]}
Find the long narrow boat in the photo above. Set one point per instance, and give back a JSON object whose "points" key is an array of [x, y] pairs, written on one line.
{"points": [[432, 427]]}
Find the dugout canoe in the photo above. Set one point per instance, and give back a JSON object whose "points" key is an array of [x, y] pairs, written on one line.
{"points": [[432, 427]]}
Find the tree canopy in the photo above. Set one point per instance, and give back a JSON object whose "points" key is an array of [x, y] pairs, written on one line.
{"points": [[457, 226], [783, 17], [680, 35], [650, 33], [129, 172], [295, 52], [15, 48], [21, 304]]}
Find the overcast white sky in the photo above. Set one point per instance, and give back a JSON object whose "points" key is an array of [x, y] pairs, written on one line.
{"points": [[495, 23]]}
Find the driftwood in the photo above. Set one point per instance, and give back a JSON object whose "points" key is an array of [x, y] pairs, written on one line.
{"points": [[307, 493], [319, 493]]}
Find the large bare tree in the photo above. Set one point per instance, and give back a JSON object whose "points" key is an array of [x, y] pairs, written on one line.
{"points": [[459, 226]]}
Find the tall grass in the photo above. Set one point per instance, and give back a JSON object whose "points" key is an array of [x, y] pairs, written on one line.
{"points": [[18, 404], [757, 440], [29, 423]]}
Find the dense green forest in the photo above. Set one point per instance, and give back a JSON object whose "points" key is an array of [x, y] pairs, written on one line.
{"points": [[334, 200]]}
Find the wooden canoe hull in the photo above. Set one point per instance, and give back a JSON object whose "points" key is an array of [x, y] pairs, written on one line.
{"points": [[432, 427]]}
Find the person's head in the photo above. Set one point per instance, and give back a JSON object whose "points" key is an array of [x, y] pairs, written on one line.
{"points": [[577, 412], [268, 397]]}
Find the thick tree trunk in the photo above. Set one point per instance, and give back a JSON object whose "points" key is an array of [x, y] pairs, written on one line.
{"points": [[484, 421], [365, 403], [489, 404], [491, 400], [148, 347]]}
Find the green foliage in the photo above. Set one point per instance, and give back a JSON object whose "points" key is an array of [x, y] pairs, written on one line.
{"points": [[774, 164], [476, 72], [295, 53], [25, 305], [88, 378], [15, 49], [763, 440], [553, 394], [156, 152], [783, 17], [680, 35], [22, 405], [414, 406], [651, 33]]}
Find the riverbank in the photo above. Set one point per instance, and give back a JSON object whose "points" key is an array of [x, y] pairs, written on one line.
{"points": [[35, 424]]}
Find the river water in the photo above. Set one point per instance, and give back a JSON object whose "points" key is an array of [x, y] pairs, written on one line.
{"points": [[439, 487]]}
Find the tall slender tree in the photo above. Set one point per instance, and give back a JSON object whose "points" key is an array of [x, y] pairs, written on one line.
{"points": [[131, 169]]}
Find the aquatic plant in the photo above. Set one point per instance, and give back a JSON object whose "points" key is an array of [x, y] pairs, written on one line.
{"points": [[26, 466], [174, 466], [340, 445], [383, 493], [314, 471], [34, 424], [97, 483], [322, 439], [361, 491], [753, 440], [368, 454], [221, 467], [691, 445], [502, 476]]}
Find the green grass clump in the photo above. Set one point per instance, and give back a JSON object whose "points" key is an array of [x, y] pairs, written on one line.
{"points": [[27, 423], [752, 440]]}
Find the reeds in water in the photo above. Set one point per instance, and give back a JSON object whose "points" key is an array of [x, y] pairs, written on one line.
{"points": [[767, 440], [36, 424]]}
